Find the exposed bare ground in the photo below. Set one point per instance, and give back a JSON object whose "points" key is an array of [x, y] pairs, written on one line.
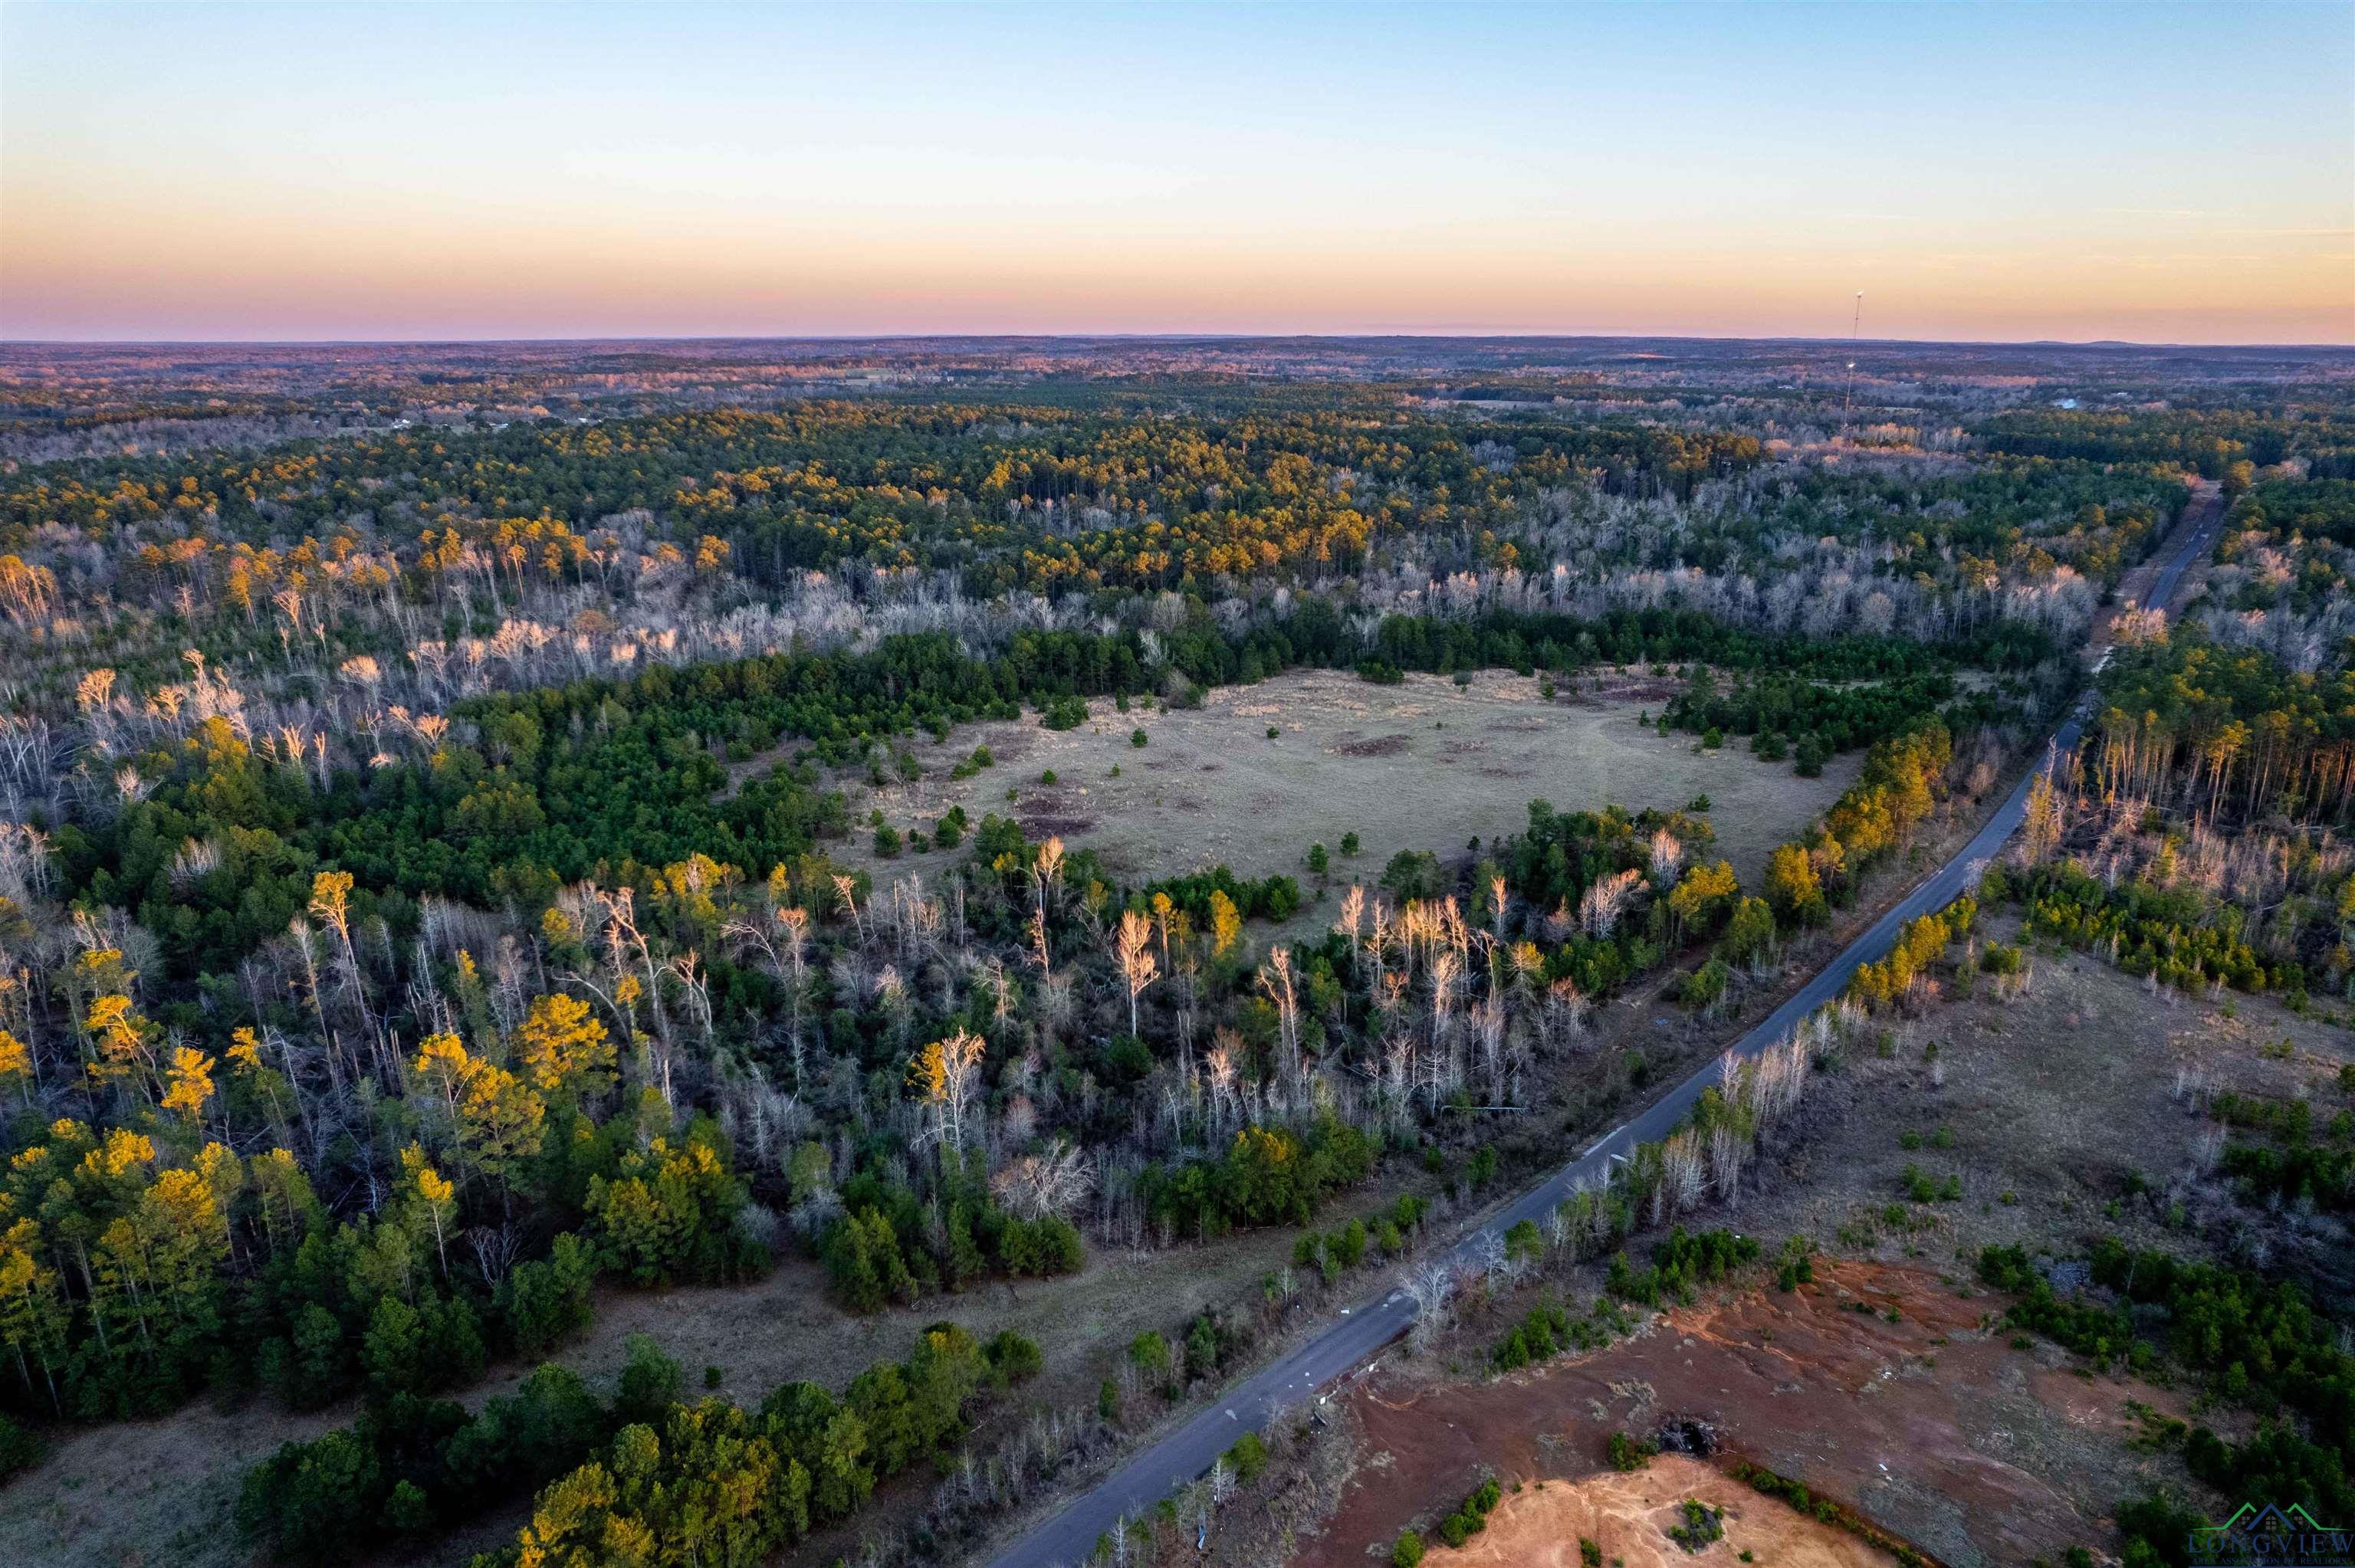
{"points": [[1930, 1426], [1629, 1515], [1427, 765]]}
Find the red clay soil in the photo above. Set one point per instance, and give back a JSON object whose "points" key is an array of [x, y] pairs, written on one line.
{"points": [[1932, 1429]]}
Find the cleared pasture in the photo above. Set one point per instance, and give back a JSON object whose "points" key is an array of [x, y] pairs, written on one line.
{"points": [[1427, 765]]}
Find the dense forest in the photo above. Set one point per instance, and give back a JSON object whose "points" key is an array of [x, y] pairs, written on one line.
{"points": [[2219, 443], [413, 566]]}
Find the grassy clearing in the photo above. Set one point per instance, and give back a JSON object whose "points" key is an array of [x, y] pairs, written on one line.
{"points": [[1426, 764]]}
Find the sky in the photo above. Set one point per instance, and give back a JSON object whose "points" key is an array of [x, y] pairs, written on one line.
{"points": [[1994, 172]]}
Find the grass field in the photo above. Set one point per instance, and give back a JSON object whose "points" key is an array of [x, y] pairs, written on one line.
{"points": [[1428, 765]]}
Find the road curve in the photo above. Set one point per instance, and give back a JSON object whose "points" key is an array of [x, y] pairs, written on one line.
{"points": [[1134, 1489]]}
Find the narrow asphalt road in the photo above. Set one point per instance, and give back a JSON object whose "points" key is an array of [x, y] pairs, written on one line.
{"points": [[1133, 1489]]}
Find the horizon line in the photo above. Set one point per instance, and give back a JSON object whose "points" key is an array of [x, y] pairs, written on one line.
{"points": [[2303, 346]]}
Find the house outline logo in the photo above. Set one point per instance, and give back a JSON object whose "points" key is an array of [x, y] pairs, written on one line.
{"points": [[2270, 1533]]}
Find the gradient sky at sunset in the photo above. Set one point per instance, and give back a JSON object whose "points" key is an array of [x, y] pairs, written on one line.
{"points": [[2174, 172]]}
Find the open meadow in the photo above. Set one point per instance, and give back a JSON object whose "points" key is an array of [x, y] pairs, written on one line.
{"points": [[1430, 764]]}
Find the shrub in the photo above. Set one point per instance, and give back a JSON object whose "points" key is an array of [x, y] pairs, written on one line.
{"points": [[1706, 985], [1149, 1354], [1413, 873], [1924, 1187], [1701, 1526], [547, 1300], [1627, 1452], [1798, 1265], [1407, 1551], [1012, 1358]]}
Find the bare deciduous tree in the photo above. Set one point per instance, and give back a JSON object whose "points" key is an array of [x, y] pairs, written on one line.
{"points": [[1038, 1185], [1432, 1287], [1600, 906], [1276, 982], [1133, 948]]}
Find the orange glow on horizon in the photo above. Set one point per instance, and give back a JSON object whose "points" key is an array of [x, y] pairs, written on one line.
{"points": [[553, 183], [769, 276]]}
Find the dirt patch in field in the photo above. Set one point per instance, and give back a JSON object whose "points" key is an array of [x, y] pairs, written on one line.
{"points": [[1623, 686], [1425, 764], [1930, 1427], [1629, 1515], [1040, 826]]}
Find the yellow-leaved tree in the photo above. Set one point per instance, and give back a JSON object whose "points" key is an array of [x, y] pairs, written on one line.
{"points": [[494, 1115], [1226, 925], [564, 1050], [946, 1075], [189, 1084], [436, 1195]]}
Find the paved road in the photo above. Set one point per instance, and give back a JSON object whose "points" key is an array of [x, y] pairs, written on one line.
{"points": [[1365, 1328]]}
